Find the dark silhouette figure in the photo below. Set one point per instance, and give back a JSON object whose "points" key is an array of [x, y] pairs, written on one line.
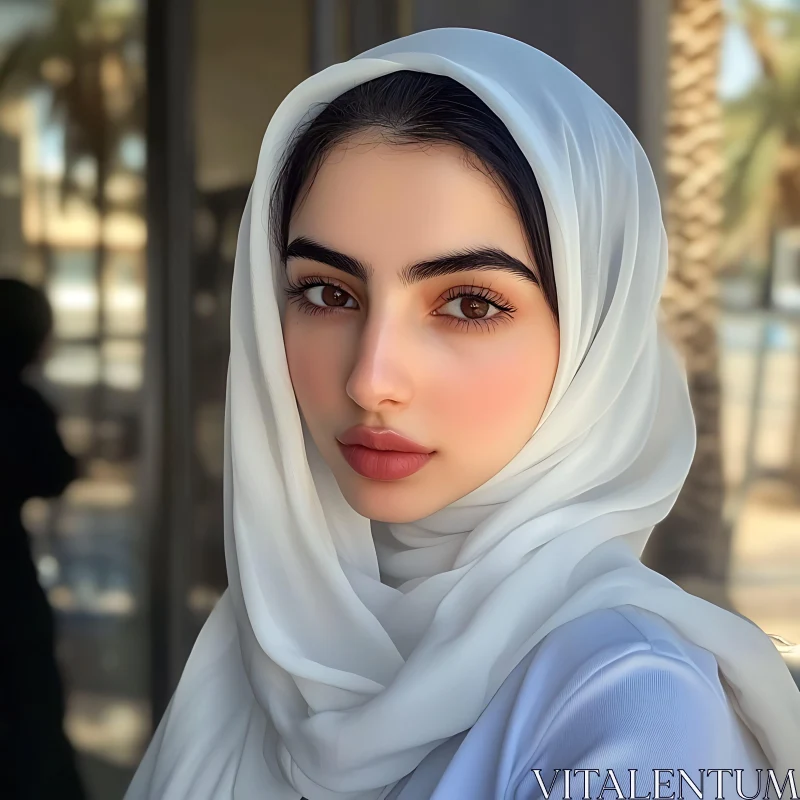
{"points": [[36, 759]]}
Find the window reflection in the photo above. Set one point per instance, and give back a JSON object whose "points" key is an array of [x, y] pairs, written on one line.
{"points": [[72, 289], [72, 189], [73, 365], [123, 362]]}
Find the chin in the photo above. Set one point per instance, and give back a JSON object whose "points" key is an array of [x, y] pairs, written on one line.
{"points": [[389, 501]]}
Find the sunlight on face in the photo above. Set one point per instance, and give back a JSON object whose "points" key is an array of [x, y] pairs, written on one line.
{"points": [[459, 362]]}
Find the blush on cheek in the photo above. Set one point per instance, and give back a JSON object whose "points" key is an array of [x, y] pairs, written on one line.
{"points": [[496, 395], [316, 367]]}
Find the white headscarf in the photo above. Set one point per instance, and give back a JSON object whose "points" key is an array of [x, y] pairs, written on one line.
{"points": [[312, 676]]}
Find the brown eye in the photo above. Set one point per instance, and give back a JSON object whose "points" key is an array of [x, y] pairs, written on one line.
{"points": [[468, 306], [334, 296], [329, 296], [474, 307]]}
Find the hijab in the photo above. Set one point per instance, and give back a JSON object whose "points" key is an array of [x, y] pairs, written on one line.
{"points": [[344, 652]]}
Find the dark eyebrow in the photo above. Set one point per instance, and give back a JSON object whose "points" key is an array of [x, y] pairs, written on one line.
{"points": [[303, 247], [484, 258]]}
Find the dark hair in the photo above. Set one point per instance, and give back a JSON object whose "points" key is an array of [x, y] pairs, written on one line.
{"points": [[418, 107], [26, 321]]}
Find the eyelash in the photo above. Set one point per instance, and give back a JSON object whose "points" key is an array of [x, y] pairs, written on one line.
{"points": [[296, 290], [504, 308]]}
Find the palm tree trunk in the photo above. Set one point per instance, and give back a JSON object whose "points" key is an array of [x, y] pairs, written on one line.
{"points": [[693, 541]]}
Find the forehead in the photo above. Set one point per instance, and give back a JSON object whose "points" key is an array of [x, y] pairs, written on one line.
{"points": [[390, 203]]}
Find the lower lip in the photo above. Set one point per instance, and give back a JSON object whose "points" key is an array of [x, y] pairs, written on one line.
{"points": [[383, 465]]}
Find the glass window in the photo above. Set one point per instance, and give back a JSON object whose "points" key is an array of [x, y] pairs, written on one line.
{"points": [[72, 161]]}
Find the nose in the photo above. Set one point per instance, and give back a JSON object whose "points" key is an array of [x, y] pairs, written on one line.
{"points": [[381, 378]]}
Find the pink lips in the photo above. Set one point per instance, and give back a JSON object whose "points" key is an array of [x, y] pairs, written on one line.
{"points": [[382, 455]]}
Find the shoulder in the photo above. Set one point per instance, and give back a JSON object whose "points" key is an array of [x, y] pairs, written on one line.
{"points": [[624, 645], [614, 689], [620, 662], [621, 687], [22, 398]]}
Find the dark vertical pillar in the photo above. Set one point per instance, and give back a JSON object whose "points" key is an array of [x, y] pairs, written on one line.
{"points": [[11, 242], [373, 22], [324, 34], [167, 463], [597, 40]]}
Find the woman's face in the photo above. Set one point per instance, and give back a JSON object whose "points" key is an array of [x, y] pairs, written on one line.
{"points": [[396, 324]]}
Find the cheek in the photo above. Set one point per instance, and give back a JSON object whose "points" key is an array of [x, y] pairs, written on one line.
{"points": [[317, 366], [498, 392]]}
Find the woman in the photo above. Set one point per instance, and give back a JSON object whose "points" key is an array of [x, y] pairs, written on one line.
{"points": [[452, 423]]}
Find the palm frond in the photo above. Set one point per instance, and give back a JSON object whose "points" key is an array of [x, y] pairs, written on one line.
{"points": [[737, 196]]}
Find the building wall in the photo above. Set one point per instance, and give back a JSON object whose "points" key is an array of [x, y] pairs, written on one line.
{"points": [[597, 40]]}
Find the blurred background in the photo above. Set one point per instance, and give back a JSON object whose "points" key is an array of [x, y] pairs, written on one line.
{"points": [[129, 135]]}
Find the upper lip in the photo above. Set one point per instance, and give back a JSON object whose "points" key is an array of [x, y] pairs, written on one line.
{"points": [[381, 439]]}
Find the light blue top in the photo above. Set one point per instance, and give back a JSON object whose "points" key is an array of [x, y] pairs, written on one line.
{"points": [[617, 689]]}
